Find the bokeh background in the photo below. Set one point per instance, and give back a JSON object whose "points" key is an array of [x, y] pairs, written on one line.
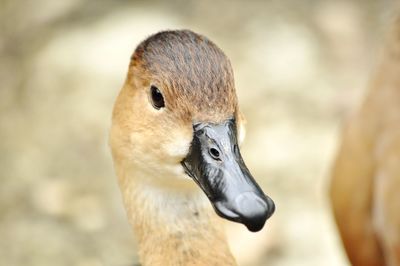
{"points": [[301, 67]]}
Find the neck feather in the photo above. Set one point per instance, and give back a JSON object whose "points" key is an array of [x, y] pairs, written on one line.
{"points": [[174, 227]]}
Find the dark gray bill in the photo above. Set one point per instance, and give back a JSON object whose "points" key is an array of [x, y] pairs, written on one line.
{"points": [[215, 164]]}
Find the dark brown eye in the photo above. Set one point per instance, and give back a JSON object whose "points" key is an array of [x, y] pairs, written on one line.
{"points": [[157, 98]]}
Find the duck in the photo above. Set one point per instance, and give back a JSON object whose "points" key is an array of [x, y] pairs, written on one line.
{"points": [[365, 180], [175, 135]]}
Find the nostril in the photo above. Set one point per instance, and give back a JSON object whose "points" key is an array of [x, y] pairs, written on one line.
{"points": [[236, 150], [214, 154]]}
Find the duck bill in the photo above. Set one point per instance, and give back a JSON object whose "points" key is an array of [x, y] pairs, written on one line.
{"points": [[216, 165]]}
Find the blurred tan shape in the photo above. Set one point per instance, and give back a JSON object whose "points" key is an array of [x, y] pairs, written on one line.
{"points": [[365, 188]]}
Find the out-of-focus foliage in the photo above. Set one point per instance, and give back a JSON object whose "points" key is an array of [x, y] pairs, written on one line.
{"points": [[300, 67]]}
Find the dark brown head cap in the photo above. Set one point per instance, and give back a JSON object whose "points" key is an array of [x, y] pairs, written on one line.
{"points": [[194, 75]]}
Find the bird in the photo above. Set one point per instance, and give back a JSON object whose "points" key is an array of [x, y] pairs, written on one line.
{"points": [[365, 179], [175, 135]]}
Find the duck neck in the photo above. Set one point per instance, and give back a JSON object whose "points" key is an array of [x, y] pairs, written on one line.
{"points": [[175, 227]]}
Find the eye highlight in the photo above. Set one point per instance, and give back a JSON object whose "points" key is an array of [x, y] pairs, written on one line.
{"points": [[157, 99]]}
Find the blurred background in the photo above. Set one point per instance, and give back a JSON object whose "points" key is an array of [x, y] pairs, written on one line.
{"points": [[301, 67]]}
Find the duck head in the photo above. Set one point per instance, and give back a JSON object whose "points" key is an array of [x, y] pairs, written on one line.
{"points": [[176, 123]]}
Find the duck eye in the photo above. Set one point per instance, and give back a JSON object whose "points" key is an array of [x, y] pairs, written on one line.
{"points": [[157, 98]]}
